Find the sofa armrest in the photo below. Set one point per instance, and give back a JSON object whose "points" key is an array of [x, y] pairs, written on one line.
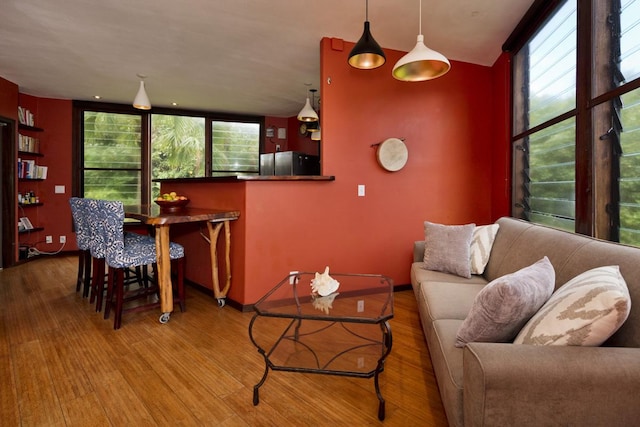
{"points": [[525, 385]]}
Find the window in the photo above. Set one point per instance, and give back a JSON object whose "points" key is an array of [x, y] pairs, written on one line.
{"points": [[547, 78], [120, 151], [576, 117], [235, 148], [112, 156], [177, 148]]}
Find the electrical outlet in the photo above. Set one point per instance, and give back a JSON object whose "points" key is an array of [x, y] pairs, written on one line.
{"points": [[63, 239], [360, 306], [360, 362], [49, 239]]}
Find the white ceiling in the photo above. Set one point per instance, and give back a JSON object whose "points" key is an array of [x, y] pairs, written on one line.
{"points": [[239, 56]]}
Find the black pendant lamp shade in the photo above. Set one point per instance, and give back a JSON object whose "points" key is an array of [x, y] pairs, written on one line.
{"points": [[367, 53]]}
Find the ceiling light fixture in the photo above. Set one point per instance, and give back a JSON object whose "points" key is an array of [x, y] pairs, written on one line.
{"points": [[141, 101], [421, 63], [367, 53], [308, 114]]}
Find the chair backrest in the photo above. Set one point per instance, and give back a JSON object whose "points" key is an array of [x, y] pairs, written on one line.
{"points": [[79, 213], [94, 223], [112, 229]]}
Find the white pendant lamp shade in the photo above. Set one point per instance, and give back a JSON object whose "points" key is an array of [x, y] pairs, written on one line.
{"points": [[307, 114], [141, 101], [421, 64], [316, 135]]}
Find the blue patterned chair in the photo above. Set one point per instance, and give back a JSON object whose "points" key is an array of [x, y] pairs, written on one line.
{"points": [[86, 215], [123, 253], [83, 240]]}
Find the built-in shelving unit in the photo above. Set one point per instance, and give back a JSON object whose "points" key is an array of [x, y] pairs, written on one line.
{"points": [[29, 172]]}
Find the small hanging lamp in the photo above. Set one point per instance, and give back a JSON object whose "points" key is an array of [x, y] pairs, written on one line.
{"points": [[307, 114], [421, 63], [141, 101], [367, 53]]}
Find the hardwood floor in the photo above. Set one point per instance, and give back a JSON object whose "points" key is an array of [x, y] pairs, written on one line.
{"points": [[62, 364]]}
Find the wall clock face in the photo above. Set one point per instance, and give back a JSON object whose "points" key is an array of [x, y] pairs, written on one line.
{"points": [[303, 128]]}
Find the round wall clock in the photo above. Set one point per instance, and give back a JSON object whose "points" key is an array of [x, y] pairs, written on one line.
{"points": [[303, 128], [392, 154]]}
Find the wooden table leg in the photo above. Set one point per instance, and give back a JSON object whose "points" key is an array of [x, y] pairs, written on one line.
{"points": [[227, 251], [214, 231], [164, 269]]}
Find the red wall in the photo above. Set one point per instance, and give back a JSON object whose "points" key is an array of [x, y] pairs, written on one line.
{"points": [[270, 144], [9, 100], [54, 116]]}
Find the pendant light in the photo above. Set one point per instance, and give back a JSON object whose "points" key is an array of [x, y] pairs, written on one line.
{"points": [[314, 127], [307, 114], [367, 53], [421, 63], [141, 101]]}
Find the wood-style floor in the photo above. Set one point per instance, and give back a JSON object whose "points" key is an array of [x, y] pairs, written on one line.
{"points": [[61, 364]]}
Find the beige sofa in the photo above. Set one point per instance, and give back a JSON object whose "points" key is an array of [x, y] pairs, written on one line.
{"points": [[504, 384]]}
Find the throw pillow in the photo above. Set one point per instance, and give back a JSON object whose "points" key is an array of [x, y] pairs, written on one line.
{"points": [[447, 248], [585, 311], [503, 306], [481, 244]]}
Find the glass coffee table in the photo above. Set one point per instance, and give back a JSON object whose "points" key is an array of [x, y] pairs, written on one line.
{"points": [[345, 333]]}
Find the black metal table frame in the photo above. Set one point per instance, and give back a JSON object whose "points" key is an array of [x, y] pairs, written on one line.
{"points": [[295, 323]]}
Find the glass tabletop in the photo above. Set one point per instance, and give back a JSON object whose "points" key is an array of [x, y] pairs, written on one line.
{"points": [[363, 298]]}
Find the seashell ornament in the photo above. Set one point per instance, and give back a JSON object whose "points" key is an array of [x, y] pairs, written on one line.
{"points": [[323, 284]]}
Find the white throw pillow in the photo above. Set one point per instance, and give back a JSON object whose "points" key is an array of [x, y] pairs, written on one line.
{"points": [[481, 244], [585, 311]]}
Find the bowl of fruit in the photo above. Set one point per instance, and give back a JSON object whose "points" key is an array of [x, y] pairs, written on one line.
{"points": [[171, 202]]}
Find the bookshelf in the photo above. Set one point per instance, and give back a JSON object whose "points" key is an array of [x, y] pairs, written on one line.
{"points": [[30, 173]]}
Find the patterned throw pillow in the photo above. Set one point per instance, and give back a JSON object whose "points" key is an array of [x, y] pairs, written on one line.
{"points": [[481, 244], [585, 311], [503, 306], [447, 248]]}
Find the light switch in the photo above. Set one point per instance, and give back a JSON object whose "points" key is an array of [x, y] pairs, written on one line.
{"points": [[59, 189], [360, 190]]}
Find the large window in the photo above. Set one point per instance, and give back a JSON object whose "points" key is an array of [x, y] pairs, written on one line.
{"points": [[112, 161], [576, 117], [121, 152]]}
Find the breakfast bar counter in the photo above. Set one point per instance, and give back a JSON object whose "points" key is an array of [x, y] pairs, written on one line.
{"points": [[161, 220]]}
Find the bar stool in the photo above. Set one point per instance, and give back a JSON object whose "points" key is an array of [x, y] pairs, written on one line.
{"points": [[83, 240], [121, 254]]}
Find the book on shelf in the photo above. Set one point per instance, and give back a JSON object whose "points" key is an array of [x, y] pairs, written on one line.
{"points": [[27, 169], [26, 224], [25, 116], [28, 144], [41, 172]]}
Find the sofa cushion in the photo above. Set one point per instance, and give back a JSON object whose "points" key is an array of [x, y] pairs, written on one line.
{"points": [[448, 248], [481, 244], [585, 311], [447, 361], [502, 307], [448, 300]]}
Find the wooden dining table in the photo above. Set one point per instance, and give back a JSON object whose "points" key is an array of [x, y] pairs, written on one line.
{"points": [[161, 220]]}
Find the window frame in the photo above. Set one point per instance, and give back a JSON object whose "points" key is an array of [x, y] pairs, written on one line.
{"points": [[595, 175], [79, 107]]}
